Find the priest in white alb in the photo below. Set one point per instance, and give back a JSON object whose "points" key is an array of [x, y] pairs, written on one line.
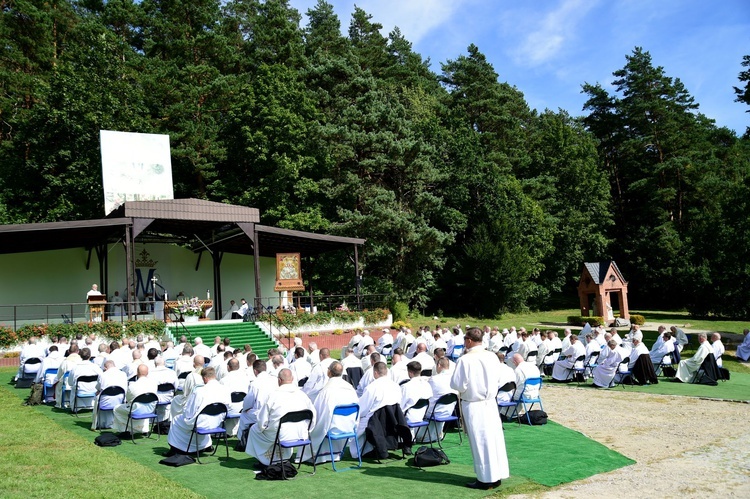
{"points": [[688, 367], [381, 392], [605, 371], [476, 380], [335, 392]]}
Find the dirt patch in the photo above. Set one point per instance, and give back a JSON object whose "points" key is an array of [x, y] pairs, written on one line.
{"points": [[681, 445]]}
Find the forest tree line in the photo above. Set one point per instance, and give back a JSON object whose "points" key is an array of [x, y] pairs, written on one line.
{"points": [[470, 201]]}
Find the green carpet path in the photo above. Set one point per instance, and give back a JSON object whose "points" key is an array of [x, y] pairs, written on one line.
{"points": [[539, 457]]}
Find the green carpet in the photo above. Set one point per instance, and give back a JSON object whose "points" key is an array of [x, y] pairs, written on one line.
{"points": [[575, 457], [737, 388]]}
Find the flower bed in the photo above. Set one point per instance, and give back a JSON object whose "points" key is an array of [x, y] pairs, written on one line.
{"points": [[110, 330], [306, 324]]}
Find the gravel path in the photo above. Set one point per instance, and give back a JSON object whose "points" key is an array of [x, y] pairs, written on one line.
{"points": [[681, 445]]}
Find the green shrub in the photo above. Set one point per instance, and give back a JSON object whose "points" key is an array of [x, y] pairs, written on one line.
{"points": [[400, 311], [578, 320], [292, 321], [400, 324], [637, 319]]}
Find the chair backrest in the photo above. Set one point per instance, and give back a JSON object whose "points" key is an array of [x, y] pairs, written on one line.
{"points": [[302, 382], [531, 355], [33, 360], [86, 379], [342, 419], [346, 410], [624, 364], [145, 398], [296, 417], [50, 371], [238, 397], [165, 387], [419, 404], [448, 398], [426, 372], [183, 375], [215, 409], [593, 357], [508, 387], [403, 381], [580, 358], [111, 391]]}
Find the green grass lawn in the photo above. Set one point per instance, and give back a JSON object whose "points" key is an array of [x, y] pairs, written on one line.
{"points": [[50, 453]]}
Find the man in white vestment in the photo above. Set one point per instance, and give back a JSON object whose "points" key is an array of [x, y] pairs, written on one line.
{"points": [[287, 398], [142, 385], [184, 363], [368, 375], [32, 350], [232, 309], [194, 380], [718, 347], [365, 363], [335, 392], [52, 361], [496, 341], [84, 368], [257, 394], [525, 370], [606, 369], [689, 367], [355, 339], [398, 371], [380, 393], [350, 360], [211, 392], [662, 348], [565, 342], [554, 344], [313, 357], [743, 350], [439, 353], [507, 375], [131, 368], [61, 383], [365, 342], [440, 384], [425, 359], [201, 349], [299, 366], [383, 341], [111, 376], [562, 368], [680, 337], [318, 375], [616, 336], [476, 380], [638, 349], [235, 381], [418, 387], [162, 375]]}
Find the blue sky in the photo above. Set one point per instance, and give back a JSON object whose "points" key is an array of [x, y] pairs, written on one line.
{"points": [[549, 48]]}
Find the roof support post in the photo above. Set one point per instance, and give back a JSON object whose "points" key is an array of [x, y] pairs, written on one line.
{"points": [[357, 278], [129, 265], [216, 257], [256, 264]]}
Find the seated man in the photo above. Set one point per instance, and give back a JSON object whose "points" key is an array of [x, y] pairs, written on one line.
{"points": [[507, 374], [525, 370], [383, 341], [318, 377], [286, 398], [689, 367], [562, 369], [418, 387], [161, 374], [399, 371], [718, 347], [604, 372], [368, 376], [235, 381], [142, 385], [32, 350], [257, 395], [440, 384], [52, 361], [194, 380], [66, 366], [335, 392], [180, 431], [111, 376], [350, 360], [425, 359], [680, 337], [299, 366], [743, 350], [662, 348], [380, 393], [640, 362], [84, 368]]}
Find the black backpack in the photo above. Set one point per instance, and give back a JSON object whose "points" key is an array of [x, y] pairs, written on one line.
{"points": [[537, 418], [428, 456], [273, 472]]}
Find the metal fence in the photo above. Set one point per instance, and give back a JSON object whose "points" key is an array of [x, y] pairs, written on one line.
{"points": [[15, 316]]}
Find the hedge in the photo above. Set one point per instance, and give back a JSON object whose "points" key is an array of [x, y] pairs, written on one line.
{"points": [[293, 321], [637, 319], [111, 330], [578, 320]]}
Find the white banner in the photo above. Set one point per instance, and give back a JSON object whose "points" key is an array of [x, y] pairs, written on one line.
{"points": [[135, 167]]}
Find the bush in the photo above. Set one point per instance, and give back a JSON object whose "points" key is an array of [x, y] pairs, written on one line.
{"points": [[400, 324], [578, 320], [338, 332], [637, 319], [400, 311], [292, 321]]}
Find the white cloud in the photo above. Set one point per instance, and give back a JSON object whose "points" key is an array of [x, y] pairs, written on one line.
{"points": [[551, 34]]}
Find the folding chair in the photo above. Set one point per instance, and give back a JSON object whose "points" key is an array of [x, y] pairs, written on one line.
{"points": [[666, 361], [531, 356], [64, 382], [572, 370], [338, 431], [293, 417], [623, 371], [510, 386], [105, 404], [215, 409], [237, 397], [169, 363], [457, 351], [447, 399], [589, 366], [27, 377], [146, 399], [419, 404], [182, 376], [387, 351], [161, 390], [523, 399], [78, 393], [47, 385]]}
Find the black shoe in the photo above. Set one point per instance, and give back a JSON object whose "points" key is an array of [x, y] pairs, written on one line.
{"points": [[476, 484]]}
